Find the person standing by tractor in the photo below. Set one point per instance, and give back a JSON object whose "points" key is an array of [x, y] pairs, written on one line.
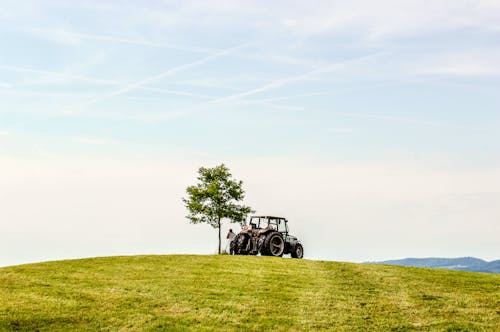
{"points": [[230, 237]]}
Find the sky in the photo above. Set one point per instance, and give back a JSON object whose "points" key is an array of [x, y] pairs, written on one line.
{"points": [[372, 126]]}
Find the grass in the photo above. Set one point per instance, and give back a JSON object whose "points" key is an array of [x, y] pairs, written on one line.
{"points": [[154, 293]]}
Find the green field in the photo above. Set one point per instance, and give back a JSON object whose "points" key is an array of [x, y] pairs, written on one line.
{"points": [[150, 293]]}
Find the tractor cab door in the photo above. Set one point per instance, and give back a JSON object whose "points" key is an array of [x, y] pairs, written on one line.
{"points": [[282, 227]]}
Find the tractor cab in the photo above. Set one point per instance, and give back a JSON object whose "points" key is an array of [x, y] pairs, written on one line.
{"points": [[272, 223]]}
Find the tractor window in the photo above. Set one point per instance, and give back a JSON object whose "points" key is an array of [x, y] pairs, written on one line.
{"points": [[273, 224], [255, 222], [282, 226], [268, 223]]}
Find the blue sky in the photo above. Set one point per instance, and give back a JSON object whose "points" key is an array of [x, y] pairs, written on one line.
{"points": [[386, 112]]}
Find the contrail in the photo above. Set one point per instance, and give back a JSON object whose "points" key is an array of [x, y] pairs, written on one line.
{"points": [[169, 72], [90, 80], [272, 85], [331, 93], [147, 43], [53, 73], [117, 39], [176, 92], [379, 117], [287, 80]]}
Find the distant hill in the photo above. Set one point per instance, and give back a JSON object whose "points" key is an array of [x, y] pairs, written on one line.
{"points": [[462, 264], [248, 293]]}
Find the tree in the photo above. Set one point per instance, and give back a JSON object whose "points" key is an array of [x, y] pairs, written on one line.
{"points": [[215, 197]]}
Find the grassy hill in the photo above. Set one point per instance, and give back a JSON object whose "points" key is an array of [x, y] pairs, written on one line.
{"points": [[149, 293]]}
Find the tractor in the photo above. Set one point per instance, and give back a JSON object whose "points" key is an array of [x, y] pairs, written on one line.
{"points": [[267, 236]]}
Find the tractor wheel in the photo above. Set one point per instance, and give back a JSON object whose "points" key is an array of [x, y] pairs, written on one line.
{"points": [[241, 244], [274, 245], [232, 247], [298, 251]]}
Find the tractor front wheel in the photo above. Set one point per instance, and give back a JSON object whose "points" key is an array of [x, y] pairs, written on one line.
{"points": [[298, 251]]}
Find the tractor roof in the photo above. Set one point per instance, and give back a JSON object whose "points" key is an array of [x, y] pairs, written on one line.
{"points": [[268, 217]]}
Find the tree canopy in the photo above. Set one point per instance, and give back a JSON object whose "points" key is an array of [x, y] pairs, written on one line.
{"points": [[216, 197]]}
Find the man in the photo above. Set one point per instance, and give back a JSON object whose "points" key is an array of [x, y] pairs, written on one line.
{"points": [[231, 236]]}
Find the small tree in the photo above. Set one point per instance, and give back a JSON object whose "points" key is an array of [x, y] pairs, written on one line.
{"points": [[215, 197]]}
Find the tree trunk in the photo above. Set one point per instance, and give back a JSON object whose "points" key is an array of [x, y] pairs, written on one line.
{"points": [[218, 224]]}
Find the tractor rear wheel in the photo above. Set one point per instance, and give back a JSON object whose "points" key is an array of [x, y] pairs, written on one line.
{"points": [[274, 245], [241, 243]]}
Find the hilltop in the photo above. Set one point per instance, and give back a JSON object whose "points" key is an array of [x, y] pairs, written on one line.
{"points": [[242, 292]]}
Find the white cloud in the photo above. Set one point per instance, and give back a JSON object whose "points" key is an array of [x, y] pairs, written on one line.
{"points": [[381, 19], [392, 18], [375, 20]]}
